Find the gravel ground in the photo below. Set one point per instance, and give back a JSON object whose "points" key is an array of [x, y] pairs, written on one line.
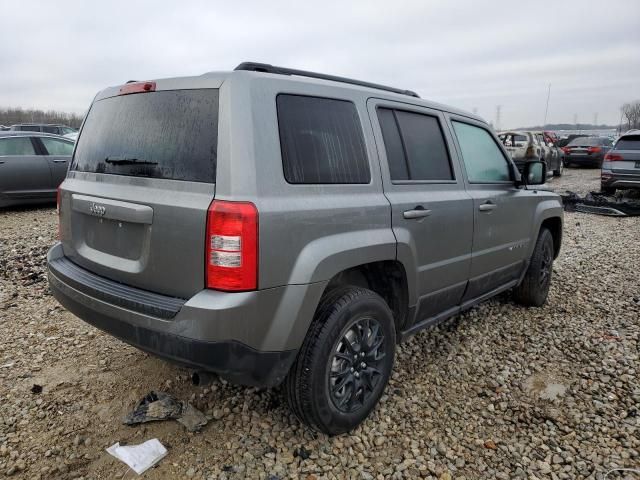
{"points": [[499, 392]]}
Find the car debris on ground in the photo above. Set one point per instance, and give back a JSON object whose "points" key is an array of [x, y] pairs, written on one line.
{"points": [[157, 406], [139, 458], [621, 205]]}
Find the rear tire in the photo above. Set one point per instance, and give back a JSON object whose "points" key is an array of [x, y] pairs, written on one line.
{"points": [[534, 288], [608, 190], [345, 361]]}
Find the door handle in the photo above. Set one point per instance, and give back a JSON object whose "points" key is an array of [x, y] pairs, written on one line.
{"points": [[59, 160], [487, 207], [418, 212], [1, 162]]}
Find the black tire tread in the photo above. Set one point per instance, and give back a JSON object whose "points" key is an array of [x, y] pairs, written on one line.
{"points": [[296, 385], [527, 293]]}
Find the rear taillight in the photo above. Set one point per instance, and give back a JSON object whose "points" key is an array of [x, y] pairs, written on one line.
{"points": [[137, 87], [594, 150], [58, 210], [232, 246], [566, 150], [613, 157]]}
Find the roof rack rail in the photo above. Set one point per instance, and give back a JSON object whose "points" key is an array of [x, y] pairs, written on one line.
{"points": [[266, 68]]}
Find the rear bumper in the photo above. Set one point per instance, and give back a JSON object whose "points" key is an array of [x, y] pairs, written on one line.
{"points": [[248, 338], [583, 160], [619, 180]]}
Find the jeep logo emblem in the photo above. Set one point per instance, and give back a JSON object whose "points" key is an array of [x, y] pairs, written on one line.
{"points": [[98, 210]]}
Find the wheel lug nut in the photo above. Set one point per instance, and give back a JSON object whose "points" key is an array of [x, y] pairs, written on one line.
{"points": [[357, 375], [352, 369], [362, 354], [363, 365]]}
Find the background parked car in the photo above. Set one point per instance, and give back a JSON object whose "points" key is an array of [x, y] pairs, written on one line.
{"points": [[32, 165], [563, 142], [44, 128], [524, 146], [621, 166], [587, 151]]}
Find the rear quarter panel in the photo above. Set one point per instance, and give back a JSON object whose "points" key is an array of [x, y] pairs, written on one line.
{"points": [[307, 233]]}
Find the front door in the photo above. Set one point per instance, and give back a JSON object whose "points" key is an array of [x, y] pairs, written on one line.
{"points": [[431, 213], [503, 213]]}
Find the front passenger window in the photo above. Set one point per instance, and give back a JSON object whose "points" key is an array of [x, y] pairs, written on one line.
{"points": [[483, 160]]}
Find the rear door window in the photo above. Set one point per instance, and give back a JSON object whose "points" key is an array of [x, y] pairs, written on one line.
{"points": [[16, 146], [321, 141], [482, 157], [55, 146], [415, 146], [50, 129], [170, 134]]}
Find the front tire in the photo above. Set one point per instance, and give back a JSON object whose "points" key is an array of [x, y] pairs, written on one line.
{"points": [[534, 289], [345, 361]]}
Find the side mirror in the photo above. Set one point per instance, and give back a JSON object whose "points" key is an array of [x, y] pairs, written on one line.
{"points": [[535, 173]]}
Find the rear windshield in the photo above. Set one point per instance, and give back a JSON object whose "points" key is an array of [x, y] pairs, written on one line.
{"points": [[631, 142], [169, 134], [586, 142]]}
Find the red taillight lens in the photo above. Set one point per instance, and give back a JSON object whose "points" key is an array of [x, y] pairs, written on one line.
{"points": [[566, 150], [613, 157], [594, 149], [232, 246], [137, 87]]}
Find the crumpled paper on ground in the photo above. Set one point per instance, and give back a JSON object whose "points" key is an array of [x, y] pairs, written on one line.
{"points": [[140, 457], [157, 406]]}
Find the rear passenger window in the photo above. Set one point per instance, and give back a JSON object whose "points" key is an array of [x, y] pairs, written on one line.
{"points": [[55, 146], [321, 141], [415, 146], [16, 146]]}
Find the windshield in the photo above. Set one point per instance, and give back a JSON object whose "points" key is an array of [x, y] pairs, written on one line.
{"points": [[170, 134]]}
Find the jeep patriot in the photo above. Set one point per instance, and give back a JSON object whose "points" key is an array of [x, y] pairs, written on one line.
{"points": [[276, 226]]}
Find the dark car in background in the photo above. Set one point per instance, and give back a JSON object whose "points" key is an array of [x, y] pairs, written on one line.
{"points": [[621, 166], [44, 128], [563, 142], [32, 165], [588, 151]]}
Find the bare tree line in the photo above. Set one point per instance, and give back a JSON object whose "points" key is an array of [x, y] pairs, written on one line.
{"points": [[12, 116], [631, 112]]}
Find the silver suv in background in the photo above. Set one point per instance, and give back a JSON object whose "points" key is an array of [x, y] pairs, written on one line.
{"points": [[621, 165], [276, 226], [525, 146], [54, 129]]}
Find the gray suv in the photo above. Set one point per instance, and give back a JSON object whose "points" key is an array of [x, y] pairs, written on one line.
{"points": [[276, 226]]}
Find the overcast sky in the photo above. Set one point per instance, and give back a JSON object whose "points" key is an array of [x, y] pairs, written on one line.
{"points": [[58, 54]]}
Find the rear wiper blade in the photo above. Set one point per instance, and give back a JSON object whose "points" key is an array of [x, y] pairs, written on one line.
{"points": [[128, 161]]}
